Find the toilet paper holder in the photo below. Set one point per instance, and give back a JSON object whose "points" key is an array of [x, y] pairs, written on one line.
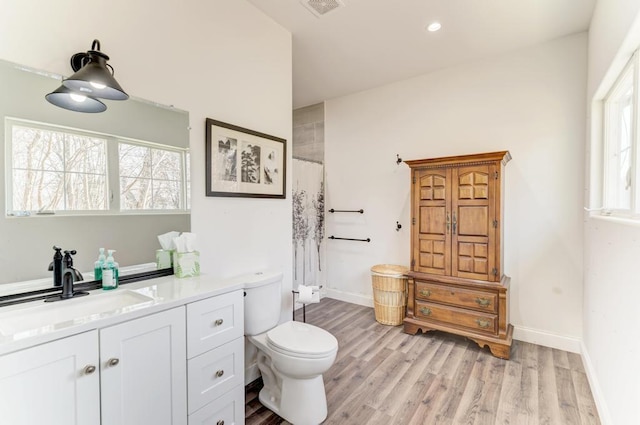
{"points": [[304, 309]]}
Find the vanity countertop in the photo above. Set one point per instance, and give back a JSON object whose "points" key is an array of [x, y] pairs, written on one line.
{"points": [[37, 322]]}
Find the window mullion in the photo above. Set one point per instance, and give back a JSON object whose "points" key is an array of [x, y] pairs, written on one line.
{"points": [[113, 173]]}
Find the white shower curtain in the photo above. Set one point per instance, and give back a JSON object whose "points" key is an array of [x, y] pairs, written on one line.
{"points": [[308, 223]]}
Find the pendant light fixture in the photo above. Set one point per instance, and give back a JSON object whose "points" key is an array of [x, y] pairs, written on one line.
{"points": [[93, 79]]}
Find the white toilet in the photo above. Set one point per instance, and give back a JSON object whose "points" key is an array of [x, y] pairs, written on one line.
{"points": [[291, 357]]}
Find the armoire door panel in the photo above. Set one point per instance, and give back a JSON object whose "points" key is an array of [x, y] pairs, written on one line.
{"points": [[473, 220], [431, 256], [474, 183], [433, 220], [433, 187]]}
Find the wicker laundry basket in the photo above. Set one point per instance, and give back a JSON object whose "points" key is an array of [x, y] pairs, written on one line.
{"points": [[389, 293]]}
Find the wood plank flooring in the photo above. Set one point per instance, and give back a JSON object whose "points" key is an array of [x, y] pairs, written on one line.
{"points": [[384, 376]]}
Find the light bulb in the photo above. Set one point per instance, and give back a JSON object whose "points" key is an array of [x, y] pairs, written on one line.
{"points": [[99, 86], [434, 26], [78, 97]]}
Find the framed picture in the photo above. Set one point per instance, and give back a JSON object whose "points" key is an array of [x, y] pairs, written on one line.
{"points": [[244, 163]]}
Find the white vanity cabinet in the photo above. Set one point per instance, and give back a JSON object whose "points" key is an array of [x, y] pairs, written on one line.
{"points": [[215, 366], [176, 358], [57, 383], [132, 373], [143, 371]]}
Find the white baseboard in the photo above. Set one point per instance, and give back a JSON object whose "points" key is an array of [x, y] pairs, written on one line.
{"points": [[349, 297], [251, 373], [547, 339], [596, 391]]}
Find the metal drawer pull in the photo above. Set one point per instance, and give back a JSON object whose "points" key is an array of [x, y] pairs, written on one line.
{"points": [[113, 362], [425, 293], [89, 369], [425, 311], [218, 322], [219, 373], [220, 422], [483, 323], [483, 302]]}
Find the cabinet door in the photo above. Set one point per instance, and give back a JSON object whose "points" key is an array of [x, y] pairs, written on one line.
{"points": [[473, 227], [143, 371], [52, 384], [432, 228]]}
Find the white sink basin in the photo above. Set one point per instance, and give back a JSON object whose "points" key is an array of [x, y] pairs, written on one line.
{"points": [[42, 317]]}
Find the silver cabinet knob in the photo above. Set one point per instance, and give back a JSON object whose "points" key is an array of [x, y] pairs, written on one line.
{"points": [[89, 369], [219, 373], [220, 422], [113, 362], [219, 322]]}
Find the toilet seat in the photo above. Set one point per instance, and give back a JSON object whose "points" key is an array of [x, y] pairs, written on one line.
{"points": [[297, 339]]}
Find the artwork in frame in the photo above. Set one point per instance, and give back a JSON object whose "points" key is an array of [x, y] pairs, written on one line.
{"points": [[244, 163]]}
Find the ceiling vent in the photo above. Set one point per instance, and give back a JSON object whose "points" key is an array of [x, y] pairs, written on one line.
{"points": [[321, 7]]}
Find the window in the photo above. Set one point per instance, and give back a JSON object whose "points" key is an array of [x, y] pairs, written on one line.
{"points": [[620, 185], [66, 171]]}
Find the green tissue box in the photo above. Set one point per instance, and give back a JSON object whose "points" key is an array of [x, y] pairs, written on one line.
{"points": [[164, 259], [186, 264]]}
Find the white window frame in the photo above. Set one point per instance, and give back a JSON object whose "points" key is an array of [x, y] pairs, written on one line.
{"points": [[607, 209], [113, 173]]}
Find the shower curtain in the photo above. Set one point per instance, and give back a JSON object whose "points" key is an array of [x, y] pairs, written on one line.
{"points": [[308, 223]]}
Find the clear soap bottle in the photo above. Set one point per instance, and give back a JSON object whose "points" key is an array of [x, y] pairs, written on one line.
{"points": [[97, 266], [109, 273]]}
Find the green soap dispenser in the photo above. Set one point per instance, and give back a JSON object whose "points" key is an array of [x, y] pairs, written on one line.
{"points": [[109, 273], [97, 266]]}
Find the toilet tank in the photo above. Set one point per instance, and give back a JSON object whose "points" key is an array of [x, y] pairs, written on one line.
{"points": [[262, 302]]}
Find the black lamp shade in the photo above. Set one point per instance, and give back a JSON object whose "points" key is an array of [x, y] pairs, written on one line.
{"points": [[62, 97], [95, 79]]}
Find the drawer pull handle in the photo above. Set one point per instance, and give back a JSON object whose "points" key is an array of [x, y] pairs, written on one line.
{"points": [[220, 422], [425, 293], [483, 323], [219, 373], [425, 311], [89, 369], [113, 362], [218, 322], [483, 302]]}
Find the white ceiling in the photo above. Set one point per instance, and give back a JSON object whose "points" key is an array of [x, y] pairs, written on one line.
{"points": [[368, 43]]}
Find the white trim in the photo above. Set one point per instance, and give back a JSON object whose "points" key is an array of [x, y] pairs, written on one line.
{"points": [[547, 339], [596, 391], [348, 297], [251, 373]]}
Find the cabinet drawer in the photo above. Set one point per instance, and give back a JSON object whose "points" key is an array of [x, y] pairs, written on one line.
{"points": [[213, 322], [227, 410], [466, 298], [215, 372], [458, 317]]}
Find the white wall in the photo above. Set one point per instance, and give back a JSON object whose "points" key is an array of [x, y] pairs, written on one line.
{"points": [[611, 285], [530, 102], [221, 59]]}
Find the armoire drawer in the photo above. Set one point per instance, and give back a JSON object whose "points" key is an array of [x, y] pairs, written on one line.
{"points": [[459, 297], [213, 322], [458, 317]]}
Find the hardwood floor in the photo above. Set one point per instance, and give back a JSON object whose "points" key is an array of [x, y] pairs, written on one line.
{"points": [[384, 376]]}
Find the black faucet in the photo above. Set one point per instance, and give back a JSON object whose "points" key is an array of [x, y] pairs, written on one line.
{"points": [[56, 266], [66, 274]]}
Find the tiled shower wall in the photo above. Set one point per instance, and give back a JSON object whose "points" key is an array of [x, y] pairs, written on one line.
{"points": [[308, 133]]}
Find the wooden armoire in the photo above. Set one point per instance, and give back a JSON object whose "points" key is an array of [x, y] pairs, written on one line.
{"points": [[456, 282]]}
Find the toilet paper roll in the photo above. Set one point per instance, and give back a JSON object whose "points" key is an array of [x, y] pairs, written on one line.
{"points": [[306, 296]]}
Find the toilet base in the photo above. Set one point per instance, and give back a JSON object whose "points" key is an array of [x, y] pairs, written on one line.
{"points": [[303, 401]]}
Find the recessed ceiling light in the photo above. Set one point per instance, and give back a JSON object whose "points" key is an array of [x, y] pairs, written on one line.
{"points": [[434, 26]]}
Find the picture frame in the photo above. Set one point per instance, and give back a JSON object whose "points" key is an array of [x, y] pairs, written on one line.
{"points": [[244, 163]]}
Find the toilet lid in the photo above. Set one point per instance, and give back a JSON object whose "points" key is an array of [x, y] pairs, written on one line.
{"points": [[301, 338]]}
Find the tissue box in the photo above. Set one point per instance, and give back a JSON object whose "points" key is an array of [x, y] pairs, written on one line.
{"points": [[164, 259], [186, 264]]}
